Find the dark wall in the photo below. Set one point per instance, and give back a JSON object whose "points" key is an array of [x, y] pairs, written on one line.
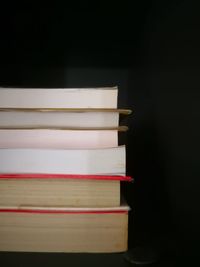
{"points": [[151, 51], [171, 63]]}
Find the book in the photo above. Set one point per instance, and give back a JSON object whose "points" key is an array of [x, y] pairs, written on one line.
{"points": [[58, 139], [59, 98], [61, 169], [60, 190], [110, 161], [41, 229], [60, 118]]}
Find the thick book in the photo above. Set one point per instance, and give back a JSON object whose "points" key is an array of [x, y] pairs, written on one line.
{"points": [[41, 229], [110, 161], [60, 118], [60, 190], [58, 139], [59, 98]]}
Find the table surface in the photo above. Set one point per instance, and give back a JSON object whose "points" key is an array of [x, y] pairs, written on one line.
{"points": [[11, 259]]}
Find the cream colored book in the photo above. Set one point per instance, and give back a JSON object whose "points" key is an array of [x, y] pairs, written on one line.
{"points": [[41, 229], [59, 97], [64, 118], [58, 139], [110, 161], [60, 190]]}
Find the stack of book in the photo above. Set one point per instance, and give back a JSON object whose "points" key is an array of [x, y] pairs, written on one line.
{"points": [[60, 171]]}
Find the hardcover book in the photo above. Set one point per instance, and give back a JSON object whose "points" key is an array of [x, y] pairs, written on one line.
{"points": [[41, 229]]}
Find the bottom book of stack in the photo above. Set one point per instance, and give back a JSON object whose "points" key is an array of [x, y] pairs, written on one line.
{"points": [[48, 229]]}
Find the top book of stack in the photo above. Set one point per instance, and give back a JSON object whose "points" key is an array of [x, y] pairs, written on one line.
{"points": [[59, 98]]}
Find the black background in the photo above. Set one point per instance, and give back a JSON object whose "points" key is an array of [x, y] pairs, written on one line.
{"points": [[150, 49]]}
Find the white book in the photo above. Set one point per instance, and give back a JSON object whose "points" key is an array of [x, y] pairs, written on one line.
{"points": [[59, 98], [59, 118], [109, 161], [58, 139]]}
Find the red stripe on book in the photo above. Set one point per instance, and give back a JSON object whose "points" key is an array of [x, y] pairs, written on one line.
{"points": [[63, 176], [63, 211]]}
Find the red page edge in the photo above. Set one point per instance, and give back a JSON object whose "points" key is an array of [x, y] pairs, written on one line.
{"points": [[63, 176], [43, 211]]}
